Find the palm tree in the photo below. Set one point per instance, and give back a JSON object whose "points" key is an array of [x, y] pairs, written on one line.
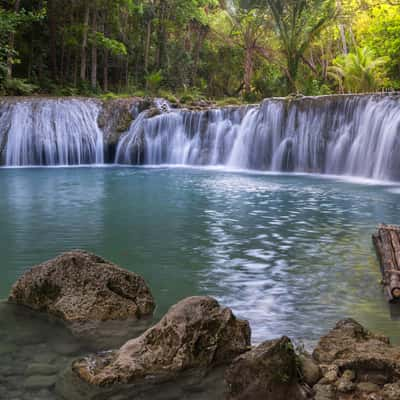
{"points": [[357, 71]]}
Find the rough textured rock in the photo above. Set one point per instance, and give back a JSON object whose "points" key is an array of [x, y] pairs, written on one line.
{"points": [[345, 383], [356, 363], [115, 119], [267, 372], [80, 287], [324, 392], [197, 333], [310, 370], [153, 112], [391, 391]]}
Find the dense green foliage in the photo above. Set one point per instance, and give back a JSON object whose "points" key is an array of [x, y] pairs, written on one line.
{"points": [[356, 71], [213, 48]]}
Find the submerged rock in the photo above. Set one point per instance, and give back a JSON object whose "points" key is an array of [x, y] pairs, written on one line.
{"points": [[267, 372], [79, 287], [40, 382], [41, 369], [196, 334]]}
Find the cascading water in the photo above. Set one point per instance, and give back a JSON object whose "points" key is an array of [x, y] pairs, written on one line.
{"points": [[351, 135], [182, 138], [50, 132]]}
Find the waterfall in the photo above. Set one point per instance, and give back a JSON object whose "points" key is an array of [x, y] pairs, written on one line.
{"points": [[344, 135], [50, 132], [182, 138], [356, 135]]}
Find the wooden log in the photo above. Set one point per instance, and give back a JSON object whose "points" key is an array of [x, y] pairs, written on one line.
{"points": [[389, 227], [394, 236], [387, 245]]}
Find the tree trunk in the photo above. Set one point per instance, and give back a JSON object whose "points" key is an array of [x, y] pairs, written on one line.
{"points": [[84, 41], [75, 73], [67, 67], [62, 58], [127, 72], [51, 13], [339, 8], [147, 47], [343, 37], [94, 52], [105, 70], [161, 34], [291, 74], [201, 36], [11, 43], [248, 69]]}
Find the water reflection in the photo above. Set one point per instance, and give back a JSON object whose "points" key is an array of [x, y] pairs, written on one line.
{"points": [[290, 253], [295, 257]]}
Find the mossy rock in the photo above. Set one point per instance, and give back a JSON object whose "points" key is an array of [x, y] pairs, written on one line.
{"points": [[153, 112], [124, 121]]}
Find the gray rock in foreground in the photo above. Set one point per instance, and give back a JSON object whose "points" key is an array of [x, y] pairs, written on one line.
{"points": [[196, 334], [79, 287]]}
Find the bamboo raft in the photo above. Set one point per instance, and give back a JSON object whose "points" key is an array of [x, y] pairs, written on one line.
{"points": [[387, 245]]}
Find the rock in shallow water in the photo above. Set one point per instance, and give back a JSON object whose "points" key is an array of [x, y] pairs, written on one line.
{"points": [[357, 363], [195, 334], [80, 287], [267, 372]]}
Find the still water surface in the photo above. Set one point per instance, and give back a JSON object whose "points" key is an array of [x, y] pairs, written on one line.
{"points": [[291, 253]]}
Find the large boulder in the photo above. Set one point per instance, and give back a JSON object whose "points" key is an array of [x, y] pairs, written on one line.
{"points": [[79, 287], [267, 372], [357, 362], [197, 334]]}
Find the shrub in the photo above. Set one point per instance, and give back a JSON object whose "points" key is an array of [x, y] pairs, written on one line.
{"points": [[187, 98], [168, 96], [19, 87], [153, 81], [229, 101]]}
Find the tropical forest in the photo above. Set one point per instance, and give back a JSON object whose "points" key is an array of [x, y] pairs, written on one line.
{"points": [[199, 199], [201, 48]]}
